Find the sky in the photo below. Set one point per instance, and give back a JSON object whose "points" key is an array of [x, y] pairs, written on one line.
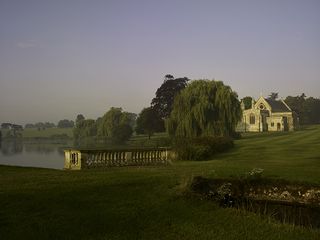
{"points": [[64, 57]]}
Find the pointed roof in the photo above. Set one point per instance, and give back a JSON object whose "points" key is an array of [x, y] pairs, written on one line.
{"points": [[278, 106]]}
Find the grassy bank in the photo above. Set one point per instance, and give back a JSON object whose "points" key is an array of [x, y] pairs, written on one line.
{"points": [[147, 202]]}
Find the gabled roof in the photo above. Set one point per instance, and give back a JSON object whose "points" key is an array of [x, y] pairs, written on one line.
{"points": [[278, 106]]}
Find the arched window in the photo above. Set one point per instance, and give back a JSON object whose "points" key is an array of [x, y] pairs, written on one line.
{"points": [[252, 119]]}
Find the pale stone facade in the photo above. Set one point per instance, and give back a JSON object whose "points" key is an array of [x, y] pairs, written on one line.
{"points": [[267, 115], [76, 159]]}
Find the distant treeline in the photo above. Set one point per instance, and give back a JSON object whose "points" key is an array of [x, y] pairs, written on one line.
{"points": [[11, 130], [65, 123], [14, 131], [40, 125], [11, 126], [307, 108], [181, 108]]}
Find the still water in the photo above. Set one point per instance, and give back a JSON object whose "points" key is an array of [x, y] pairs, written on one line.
{"points": [[33, 154]]}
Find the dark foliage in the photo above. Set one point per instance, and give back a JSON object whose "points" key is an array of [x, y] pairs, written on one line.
{"points": [[85, 128], [307, 109], [200, 148], [148, 122], [65, 123], [122, 133], [40, 125], [163, 101], [204, 108], [247, 101]]}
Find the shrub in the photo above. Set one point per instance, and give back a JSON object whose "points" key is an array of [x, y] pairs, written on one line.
{"points": [[236, 135], [200, 148]]}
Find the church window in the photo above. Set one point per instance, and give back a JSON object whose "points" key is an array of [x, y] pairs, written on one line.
{"points": [[252, 119], [272, 124], [261, 106]]}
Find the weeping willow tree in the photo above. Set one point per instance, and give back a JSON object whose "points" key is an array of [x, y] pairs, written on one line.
{"points": [[204, 108]]}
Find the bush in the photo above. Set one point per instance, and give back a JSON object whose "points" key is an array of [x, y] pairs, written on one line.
{"points": [[236, 135], [200, 148]]}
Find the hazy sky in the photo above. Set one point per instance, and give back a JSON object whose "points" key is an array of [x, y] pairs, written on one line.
{"points": [[61, 58]]}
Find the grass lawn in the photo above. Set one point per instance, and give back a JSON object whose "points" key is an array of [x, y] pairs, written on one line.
{"points": [[147, 202], [46, 133]]}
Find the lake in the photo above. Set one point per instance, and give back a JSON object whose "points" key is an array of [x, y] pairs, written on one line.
{"points": [[33, 154]]}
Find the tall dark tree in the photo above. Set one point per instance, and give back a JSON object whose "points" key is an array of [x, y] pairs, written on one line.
{"points": [[163, 101], [148, 122]]}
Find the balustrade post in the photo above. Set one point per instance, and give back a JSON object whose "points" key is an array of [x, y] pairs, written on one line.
{"points": [[128, 157]]}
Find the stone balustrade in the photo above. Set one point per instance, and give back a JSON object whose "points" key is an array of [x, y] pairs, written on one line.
{"points": [[80, 159]]}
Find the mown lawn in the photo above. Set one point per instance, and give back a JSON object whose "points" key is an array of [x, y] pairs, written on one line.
{"points": [[148, 202]]}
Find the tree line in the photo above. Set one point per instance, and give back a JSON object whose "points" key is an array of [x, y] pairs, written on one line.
{"points": [[189, 109], [64, 123], [307, 108], [183, 108]]}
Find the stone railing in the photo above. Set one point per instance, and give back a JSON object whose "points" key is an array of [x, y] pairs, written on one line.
{"points": [[80, 159]]}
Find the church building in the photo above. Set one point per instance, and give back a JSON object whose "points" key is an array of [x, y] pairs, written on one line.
{"points": [[267, 115]]}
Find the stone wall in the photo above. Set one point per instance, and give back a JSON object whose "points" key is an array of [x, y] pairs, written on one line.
{"points": [[80, 159]]}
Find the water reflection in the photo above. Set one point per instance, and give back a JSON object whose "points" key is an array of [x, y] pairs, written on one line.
{"points": [[17, 147], [11, 147], [40, 148], [34, 154]]}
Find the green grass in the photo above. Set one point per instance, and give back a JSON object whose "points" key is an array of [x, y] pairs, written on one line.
{"points": [[46, 133], [147, 202]]}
